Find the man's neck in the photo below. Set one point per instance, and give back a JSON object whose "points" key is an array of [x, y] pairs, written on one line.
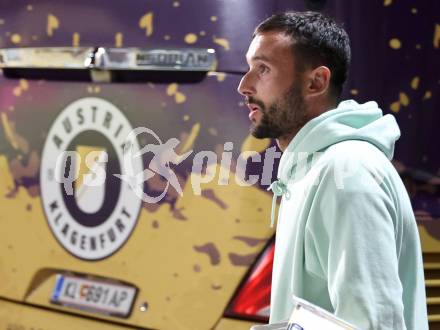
{"points": [[284, 141]]}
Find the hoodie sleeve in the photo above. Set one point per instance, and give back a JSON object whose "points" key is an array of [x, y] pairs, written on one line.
{"points": [[350, 242]]}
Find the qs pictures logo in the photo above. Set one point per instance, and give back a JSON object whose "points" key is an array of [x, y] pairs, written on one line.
{"points": [[92, 214]]}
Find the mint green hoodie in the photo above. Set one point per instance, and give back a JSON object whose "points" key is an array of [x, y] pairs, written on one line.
{"points": [[346, 237]]}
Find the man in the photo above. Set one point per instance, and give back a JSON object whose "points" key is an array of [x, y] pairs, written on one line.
{"points": [[346, 236]]}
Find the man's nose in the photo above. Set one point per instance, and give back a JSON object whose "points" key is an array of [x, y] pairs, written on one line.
{"points": [[246, 87]]}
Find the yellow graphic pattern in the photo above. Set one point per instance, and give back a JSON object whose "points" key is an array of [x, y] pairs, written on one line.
{"points": [[436, 40], [191, 38], [75, 39], [395, 106], [16, 38], [403, 99], [52, 24], [428, 95], [395, 43], [180, 273], [415, 83], [119, 40], [11, 136], [188, 143], [178, 96], [146, 23], [222, 42], [253, 144]]}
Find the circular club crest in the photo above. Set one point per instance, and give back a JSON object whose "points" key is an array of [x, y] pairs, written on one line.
{"points": [[89, 209]]}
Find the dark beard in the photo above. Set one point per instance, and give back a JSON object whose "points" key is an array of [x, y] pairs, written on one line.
{"points": [[285, 116]]}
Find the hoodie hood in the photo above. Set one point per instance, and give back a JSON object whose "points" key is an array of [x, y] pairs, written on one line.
{"points": [[349, 121]]}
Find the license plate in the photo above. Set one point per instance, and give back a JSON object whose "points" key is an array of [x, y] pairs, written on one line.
{"points": [[93, 295]]}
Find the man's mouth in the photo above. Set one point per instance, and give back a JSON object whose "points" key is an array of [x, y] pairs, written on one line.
{"points": [[253, 111]]}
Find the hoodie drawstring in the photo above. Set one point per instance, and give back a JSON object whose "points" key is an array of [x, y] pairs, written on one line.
{"points": [[278, 188]]}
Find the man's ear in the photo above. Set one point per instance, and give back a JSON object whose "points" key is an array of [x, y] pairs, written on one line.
{"points": [[318, 81]]}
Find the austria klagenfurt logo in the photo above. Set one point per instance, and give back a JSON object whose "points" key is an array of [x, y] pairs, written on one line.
{"points": [[90, 211]]}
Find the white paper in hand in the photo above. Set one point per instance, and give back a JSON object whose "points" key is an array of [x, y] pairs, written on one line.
{"points": [[306, 316]]}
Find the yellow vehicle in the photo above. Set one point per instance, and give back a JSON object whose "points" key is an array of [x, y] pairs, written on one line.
{"points": [[175, 235], [84, 248]]}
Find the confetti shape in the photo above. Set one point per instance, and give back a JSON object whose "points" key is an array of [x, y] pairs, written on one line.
{"points": [[403, 99], [52, 24], [190, 38], [395, 43], [172, 89], [395, 106], [146, 22], [222, 42], [119, 39], [415, 82], [180, 97], [75, 39], [436, 40]]}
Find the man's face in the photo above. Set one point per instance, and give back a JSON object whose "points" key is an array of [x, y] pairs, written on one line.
{"points": [[273, 88]]}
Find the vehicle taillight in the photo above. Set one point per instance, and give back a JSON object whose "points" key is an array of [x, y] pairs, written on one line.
{"points": [[252, 299]]}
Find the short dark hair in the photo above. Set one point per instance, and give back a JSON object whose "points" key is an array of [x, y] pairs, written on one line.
{"points": [[317, 40]]}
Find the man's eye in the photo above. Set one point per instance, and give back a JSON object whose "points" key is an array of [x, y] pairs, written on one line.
{"points": [[263, 69]]}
